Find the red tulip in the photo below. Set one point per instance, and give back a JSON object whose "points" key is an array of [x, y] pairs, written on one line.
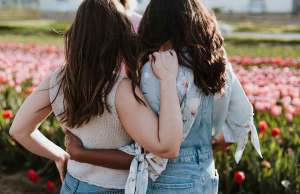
{"points": [[275, 132], [263, 126], [32, 175], [3, 79], [51, 186], [29, 90], [239, 177], [7, 114]]}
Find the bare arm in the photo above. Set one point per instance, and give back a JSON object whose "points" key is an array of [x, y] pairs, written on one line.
{"points": [[114, 159], [161, 136], [108, 158], [25, 126]]}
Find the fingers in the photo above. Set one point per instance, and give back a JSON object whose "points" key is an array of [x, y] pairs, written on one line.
{"points": [[156, 56], [60, 169], [151, 59], [173, 53], [61, 177], [62, 173], [164, 56], [158, 59], [64, 170]]}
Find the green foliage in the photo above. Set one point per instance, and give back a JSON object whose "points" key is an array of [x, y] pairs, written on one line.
{"points": [[244, 47], [13, 157], [265, 27], [27, 28], [277, 173]]}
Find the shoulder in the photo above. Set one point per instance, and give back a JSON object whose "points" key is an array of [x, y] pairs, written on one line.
{"points": [[124, 87], [125, 95], [54, 84], [55, 77]]}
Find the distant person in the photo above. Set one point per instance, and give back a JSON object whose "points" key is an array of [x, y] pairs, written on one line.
{"points": [[92, 100]]}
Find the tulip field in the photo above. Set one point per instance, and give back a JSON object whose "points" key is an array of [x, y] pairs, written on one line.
{"points": [[271, 83]]}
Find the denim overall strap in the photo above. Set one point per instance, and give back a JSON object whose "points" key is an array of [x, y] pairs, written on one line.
{"points": [[201, 132]]}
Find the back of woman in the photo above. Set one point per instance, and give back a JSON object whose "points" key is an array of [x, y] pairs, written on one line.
{"points": [[100, 132], [188, 28], [82, 92]]}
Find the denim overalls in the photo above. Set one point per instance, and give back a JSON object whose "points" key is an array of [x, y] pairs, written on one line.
{"points": [[193, 172]]}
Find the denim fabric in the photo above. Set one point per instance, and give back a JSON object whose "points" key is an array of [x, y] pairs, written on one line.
{"points": [[193, 171], [72, 185]]}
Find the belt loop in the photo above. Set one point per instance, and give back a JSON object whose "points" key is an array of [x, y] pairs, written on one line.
{"points": [[198, 151], [77, 185]]}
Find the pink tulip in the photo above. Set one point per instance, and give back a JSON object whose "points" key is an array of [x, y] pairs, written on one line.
{"points": [[269, 82], [296, 102], [260, 106], [289, 109], [289, 117], [276, 110]]}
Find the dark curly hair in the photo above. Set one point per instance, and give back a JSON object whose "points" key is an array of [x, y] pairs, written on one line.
{"points": [[194, 34]]}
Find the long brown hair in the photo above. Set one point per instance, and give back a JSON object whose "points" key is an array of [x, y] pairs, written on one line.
{"points": [[193, 31], [96, 44]]}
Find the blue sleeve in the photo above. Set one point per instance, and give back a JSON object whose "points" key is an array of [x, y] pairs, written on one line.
{"points": [[150, 87]]}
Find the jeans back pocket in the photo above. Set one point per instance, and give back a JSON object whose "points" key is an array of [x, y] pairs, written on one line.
{"points": [[172, 185], [212, 186]]}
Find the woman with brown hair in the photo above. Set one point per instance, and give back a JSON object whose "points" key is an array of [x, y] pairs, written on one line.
{"points": [[92, 100]]}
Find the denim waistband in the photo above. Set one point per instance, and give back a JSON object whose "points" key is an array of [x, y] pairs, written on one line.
{"points": [[194, 155], [71, 181]]}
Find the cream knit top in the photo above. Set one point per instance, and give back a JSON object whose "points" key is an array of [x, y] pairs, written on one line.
{"points": [[102, 132]]}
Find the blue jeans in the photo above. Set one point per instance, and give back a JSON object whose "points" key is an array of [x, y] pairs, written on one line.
{"points": [[72, 185]]}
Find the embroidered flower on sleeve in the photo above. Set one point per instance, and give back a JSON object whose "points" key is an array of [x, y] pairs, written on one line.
{"points": [[186, 84], [193, 105]]}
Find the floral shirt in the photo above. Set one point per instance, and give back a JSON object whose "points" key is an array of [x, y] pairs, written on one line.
{"points": [[233, 116]]}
